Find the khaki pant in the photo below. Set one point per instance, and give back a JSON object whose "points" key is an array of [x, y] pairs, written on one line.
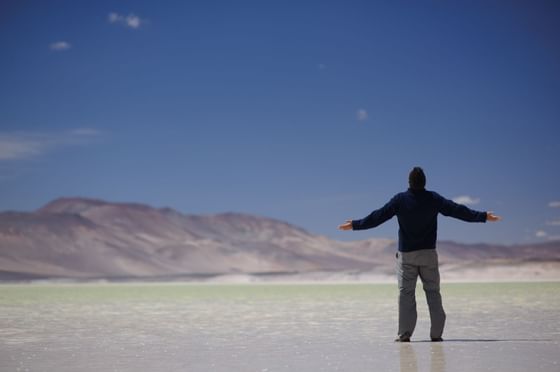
{"points": [[410, 265]]}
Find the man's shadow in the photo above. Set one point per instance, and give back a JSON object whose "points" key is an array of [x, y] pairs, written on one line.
{"points": [[488, 340], [409, 362]]}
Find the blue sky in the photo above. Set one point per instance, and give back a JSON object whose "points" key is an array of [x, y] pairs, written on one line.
{"points": [[309, 112]]}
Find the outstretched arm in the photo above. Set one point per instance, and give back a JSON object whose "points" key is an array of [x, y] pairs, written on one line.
{"points": [[461, 212], [374, 219]]}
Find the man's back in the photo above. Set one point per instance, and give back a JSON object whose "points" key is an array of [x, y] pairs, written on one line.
{"points": [[417, 212]]}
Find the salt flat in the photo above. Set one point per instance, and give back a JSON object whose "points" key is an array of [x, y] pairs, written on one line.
{"points": [[273, 327]]}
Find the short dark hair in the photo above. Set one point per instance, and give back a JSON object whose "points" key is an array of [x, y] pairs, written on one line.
{"points": [[417, 179]]}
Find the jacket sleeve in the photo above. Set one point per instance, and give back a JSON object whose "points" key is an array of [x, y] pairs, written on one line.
{"points": [[459, 211], [378, 216]]}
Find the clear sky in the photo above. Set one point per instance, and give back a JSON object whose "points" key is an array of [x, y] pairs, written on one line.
{"points": [[311, 112]]}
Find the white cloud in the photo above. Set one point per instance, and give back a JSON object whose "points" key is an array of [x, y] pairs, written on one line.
{"points": [[60, 46], [85, 132], [554, 204], [17, 147], [23, 145], [553, 223], [321, 66], [466, 200], [131, 20], [361, 114], [114, 17], [541, 234]]}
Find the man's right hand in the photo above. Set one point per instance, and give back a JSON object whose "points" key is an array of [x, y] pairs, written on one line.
{"points": [[491, 217]]}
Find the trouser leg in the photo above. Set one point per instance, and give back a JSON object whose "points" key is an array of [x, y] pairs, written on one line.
{"points": [[429, 274], [407, 275]]}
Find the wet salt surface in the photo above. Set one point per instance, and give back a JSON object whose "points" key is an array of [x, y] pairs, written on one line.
{"points": [[186, 327]]}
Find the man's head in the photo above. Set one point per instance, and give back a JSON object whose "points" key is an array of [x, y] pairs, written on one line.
{"points": [[417, 179]]}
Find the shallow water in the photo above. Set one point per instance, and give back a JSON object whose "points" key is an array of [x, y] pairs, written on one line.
{"points": [[207, 327]]}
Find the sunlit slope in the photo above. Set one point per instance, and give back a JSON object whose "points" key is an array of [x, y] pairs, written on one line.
{"points": [[78, 237]]}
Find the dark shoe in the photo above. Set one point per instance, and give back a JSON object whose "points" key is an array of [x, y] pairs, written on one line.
{"points": [[403, 339], [437, 339]]}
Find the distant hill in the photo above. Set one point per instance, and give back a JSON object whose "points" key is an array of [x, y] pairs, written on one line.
{"points": [[88, 238]]}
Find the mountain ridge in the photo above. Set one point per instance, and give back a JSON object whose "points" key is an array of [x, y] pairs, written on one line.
{"points": [[78, 237]]}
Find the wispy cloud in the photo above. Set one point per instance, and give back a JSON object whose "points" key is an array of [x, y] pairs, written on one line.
{"points": [[466, 200], [321, 66], [60, 46], [361, 115], [553, 223], [23, 145], [541, 234], [554, 204], [130, 21], [18, 146], [85, 132]]}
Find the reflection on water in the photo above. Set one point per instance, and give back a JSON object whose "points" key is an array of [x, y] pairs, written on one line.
{"points": [[437, 361], [272, 328], [409, 361]]}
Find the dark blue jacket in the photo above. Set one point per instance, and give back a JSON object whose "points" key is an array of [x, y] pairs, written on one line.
{"points": [[417, 212]]}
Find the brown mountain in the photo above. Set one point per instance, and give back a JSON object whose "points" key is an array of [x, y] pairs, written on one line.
{"points": [[85, 238]]}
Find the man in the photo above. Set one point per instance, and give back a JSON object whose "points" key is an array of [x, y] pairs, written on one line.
{"points": [[417, 210]]}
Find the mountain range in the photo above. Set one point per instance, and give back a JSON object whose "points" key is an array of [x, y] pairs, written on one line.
{"points": [[85, 238]]}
